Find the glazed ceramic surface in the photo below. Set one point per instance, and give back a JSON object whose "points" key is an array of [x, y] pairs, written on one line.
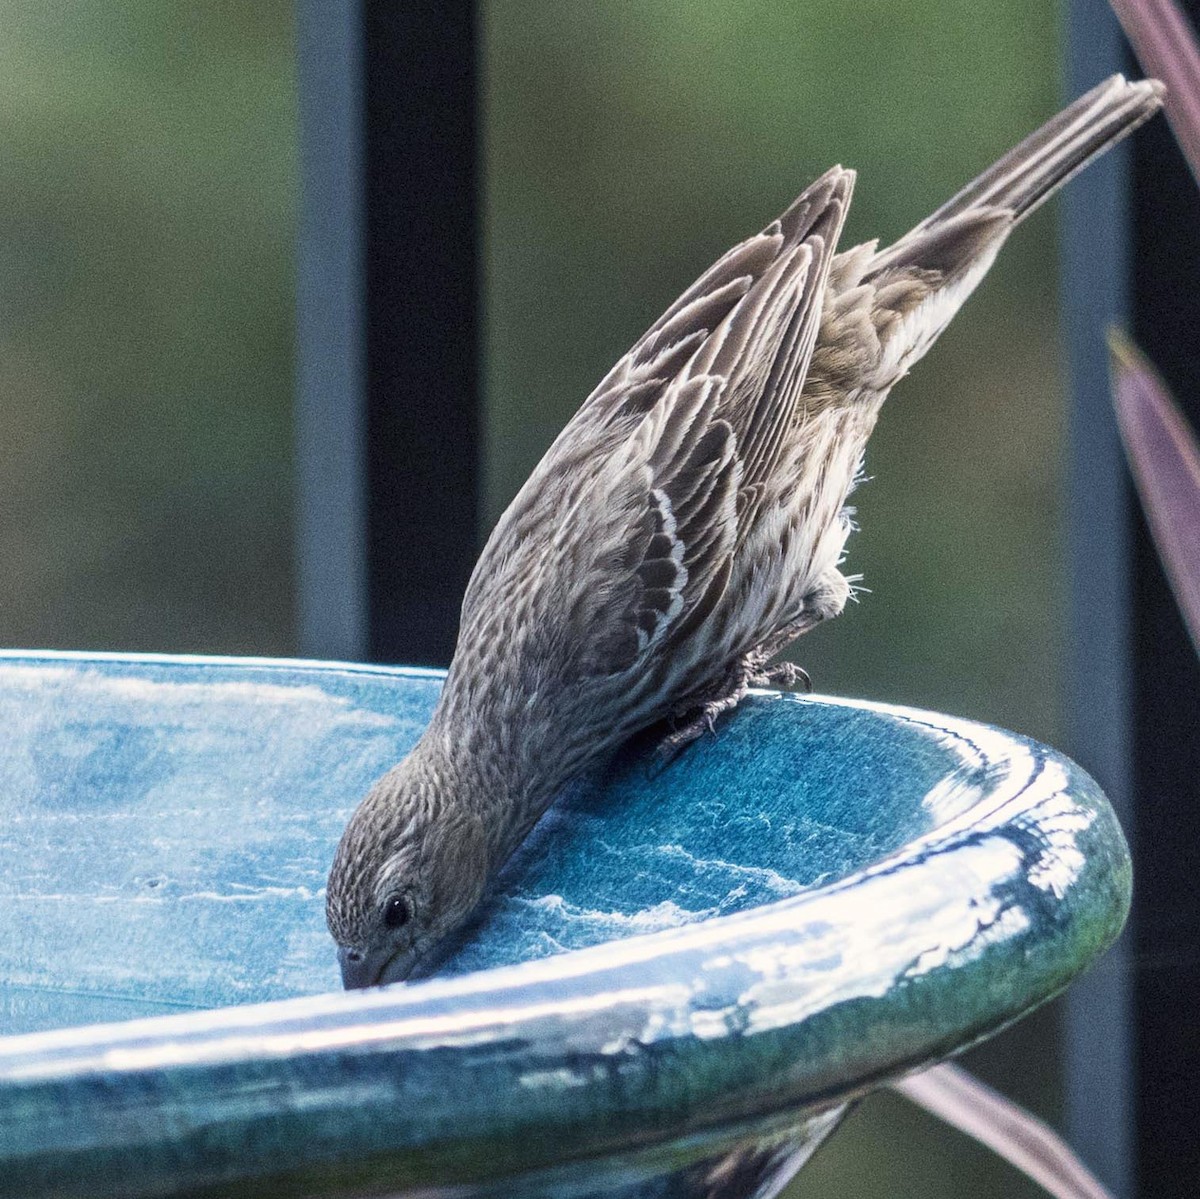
{"points": [[672, 991]]}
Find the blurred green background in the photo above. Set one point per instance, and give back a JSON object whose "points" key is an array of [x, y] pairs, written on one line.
{"points": [[147, 216]]}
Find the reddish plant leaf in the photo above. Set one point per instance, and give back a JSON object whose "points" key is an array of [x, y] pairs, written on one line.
{"points": [[1166, 47], [1165, 460], [962, 1101]]}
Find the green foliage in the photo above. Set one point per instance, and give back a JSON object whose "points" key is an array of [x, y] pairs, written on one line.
{"points": [[146, 229]]}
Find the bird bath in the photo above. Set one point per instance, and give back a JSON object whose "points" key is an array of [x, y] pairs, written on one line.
{"points": [[674, 990]]}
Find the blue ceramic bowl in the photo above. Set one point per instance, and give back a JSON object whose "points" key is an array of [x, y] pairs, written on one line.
{"points": [[674, 990]]}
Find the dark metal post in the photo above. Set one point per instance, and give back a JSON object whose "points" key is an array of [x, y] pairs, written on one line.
{"points": [[1131, 256], [1166, 701], [1098, 1025], [388, 330], [330, 300]]}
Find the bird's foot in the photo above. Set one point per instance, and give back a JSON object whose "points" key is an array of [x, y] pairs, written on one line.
{"points": [[700, 717], [681, 736], [786, 676]]}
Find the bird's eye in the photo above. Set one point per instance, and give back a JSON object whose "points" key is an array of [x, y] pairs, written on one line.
{"points": [[396, 912]]}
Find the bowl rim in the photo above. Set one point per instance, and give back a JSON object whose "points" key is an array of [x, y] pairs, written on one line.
{"points": [[793, 1006]]}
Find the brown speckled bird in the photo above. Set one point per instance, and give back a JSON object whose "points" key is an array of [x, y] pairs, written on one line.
{"points": [[687, 524]]}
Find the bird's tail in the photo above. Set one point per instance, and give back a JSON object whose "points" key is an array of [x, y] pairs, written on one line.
{"points": [[1030, 173]]}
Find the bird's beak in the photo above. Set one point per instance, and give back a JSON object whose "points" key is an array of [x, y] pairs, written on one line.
{"points": [[361, 969]]}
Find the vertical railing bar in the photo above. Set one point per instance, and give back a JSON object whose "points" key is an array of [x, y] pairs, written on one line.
{"points": [[388, 395], [422, 323], [331, 483], [1098, 1033]]}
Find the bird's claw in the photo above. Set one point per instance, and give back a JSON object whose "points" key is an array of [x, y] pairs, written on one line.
{"points": [[786, 676], [700, 721]]}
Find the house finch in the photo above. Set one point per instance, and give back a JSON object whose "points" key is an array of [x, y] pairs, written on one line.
{"points": [[687, 524]]}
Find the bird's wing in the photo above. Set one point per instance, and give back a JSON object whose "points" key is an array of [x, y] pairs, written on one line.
{"points": [[764, 347], [637, 508], [713, 440], [750, 320]]}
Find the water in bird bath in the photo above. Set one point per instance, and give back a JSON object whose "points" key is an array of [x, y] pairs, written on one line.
{"points": [[168, 826]]}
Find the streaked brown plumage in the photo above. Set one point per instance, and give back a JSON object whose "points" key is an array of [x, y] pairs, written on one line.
{"points": [[687, 524]]}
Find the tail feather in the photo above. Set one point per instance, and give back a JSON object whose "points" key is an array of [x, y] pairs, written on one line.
{"points": [[1031, 172], [922, 280]]}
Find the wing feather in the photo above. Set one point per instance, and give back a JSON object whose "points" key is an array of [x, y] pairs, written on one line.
{"points": [[672, 453]]}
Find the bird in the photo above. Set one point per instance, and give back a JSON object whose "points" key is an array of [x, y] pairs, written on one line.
{"points": [[687, 525]]}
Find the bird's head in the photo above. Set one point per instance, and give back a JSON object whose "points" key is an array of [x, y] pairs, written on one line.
{"points": [[408, 871]]}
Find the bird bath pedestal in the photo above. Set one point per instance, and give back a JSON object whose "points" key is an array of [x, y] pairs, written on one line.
{"points": [[674, 991]]}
